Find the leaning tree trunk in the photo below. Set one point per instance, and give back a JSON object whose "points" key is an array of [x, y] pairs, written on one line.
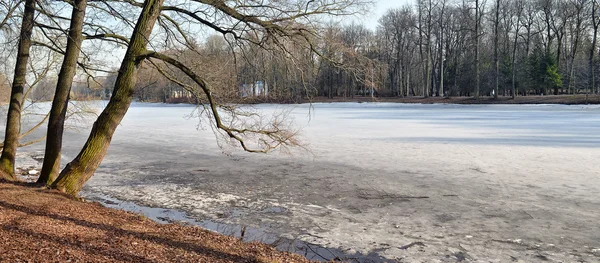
{"points": [[78, 171], [13, 121], [56, 123]]}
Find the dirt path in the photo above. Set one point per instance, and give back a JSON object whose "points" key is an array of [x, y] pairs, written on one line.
{"points": [[39, 225]]}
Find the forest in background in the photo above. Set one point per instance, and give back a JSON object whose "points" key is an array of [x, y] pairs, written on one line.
{"points": [[427, 48]]}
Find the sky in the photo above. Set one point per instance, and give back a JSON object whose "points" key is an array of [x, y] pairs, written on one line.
{"points": [[370, 20]]}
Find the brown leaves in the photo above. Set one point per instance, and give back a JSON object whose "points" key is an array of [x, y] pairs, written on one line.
{"points": [[42, 226]]}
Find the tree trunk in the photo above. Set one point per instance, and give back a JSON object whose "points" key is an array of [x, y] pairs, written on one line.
{"points": [[496, 62], [408, 82], [56, 123], [13, 121], [427, 73], [591, 58], [477, 70], [572, 64], [593, 48], [514, 53], [78, 171], [441, 91], [558, 50]]}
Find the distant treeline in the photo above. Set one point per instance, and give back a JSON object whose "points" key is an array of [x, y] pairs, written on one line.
{"points": [[429, 48]]}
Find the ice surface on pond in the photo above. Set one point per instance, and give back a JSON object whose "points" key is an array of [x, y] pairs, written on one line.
{"points": [[378, 177]]}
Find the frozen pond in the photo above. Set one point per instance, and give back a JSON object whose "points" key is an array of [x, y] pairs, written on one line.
{"points": [[417, 183]]}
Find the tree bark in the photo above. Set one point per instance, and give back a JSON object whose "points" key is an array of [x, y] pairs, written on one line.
{"points": [[496, 61], [514, 52], [558, 50], [477, 70], [13, 121], [574, 49], [595, 25], [428, 81], [78, 171], [441, 91], [425, 65], [56, 123]]}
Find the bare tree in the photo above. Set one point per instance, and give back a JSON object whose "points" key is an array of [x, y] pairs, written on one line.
{"points": [[518, 9], [442, 27], [577, 26], [479, 8], [595, 23], [13, 123], [51, 165], [496, 59], [425, 27]]}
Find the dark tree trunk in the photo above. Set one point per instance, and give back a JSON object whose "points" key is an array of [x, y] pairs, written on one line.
{"points": [[477, 70], [78, 171], [56, 123], [13, 121], [574, 54], [592, 74], [514, 52], [558, 51], [496, 61]]}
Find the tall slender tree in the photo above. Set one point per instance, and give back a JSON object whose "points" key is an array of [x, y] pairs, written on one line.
{"points": [[578, 15], [518, 10], [56, 123], [477, 37], [595, 23], [496, 59], [13, 122]]}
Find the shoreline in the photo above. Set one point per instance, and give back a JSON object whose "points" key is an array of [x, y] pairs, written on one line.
{"points": [[579, 99], [551, 99], [246, 234], [44, 225]]}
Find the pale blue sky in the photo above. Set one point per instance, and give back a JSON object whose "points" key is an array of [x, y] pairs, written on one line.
{"points": [[370, 20]]}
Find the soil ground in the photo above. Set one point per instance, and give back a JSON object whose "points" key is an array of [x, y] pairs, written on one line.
{"points": [[38, 225]]}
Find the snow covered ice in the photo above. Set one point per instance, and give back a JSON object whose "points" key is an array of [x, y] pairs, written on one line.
{"points": [[464, 180]]}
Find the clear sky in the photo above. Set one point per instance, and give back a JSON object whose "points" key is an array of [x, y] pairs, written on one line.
{"points": [[370, 20]]}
